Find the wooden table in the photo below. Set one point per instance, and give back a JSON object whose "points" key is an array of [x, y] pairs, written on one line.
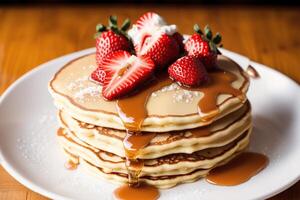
{"points": [[30, 36]]}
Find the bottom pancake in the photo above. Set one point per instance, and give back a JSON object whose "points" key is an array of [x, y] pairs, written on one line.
{"points": [[163, 172], [163, 182]]}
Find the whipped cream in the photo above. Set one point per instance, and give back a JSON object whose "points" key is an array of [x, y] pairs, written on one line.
{"points": [[133, 33], [169, 29], [157, 20], [136, 35]]}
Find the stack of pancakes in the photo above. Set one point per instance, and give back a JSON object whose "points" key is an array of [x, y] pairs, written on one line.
{"points": [[184, 133]]}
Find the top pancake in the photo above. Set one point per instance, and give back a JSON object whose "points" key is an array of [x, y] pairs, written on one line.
{"points": [[170, 108]]}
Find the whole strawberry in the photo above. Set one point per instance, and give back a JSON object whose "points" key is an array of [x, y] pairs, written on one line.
{"points": [[204, 46], [110, 38], [188, 71], [161, 48]]}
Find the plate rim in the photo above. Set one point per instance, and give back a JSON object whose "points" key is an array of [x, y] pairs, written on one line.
{"points": [[65, 58]]}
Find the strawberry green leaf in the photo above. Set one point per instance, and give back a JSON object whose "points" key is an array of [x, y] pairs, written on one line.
{"points": [[217, 39], [115, 29], [100, 28], [125, 25], [197, 29], [112, 21], [208, 33]]}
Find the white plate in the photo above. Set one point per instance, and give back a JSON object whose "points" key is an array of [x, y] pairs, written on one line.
{"points": [[29, 152]]}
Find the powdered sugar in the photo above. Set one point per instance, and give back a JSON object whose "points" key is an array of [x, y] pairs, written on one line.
{"points": [[35, 146], [77, 84], [41, 153], [91, 91], [80, 179], [172, 87], [83, 88], [180, 95], [185, 96]]}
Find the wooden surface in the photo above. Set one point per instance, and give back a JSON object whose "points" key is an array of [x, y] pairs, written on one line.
{"points": [[33, 35]]}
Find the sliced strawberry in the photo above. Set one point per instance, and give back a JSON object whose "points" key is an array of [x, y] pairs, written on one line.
{"points": [[188, 71], [98, 75], [138, 44], [146, 26], [161, 48], [150, 20], [153, 37], [124, 72]]}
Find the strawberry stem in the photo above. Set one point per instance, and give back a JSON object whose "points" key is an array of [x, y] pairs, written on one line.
{"points": [[214, 41], [113, 25]]}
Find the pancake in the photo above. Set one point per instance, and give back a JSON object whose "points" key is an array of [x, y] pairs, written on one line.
{"points": [[216, 134], [163, 172], [170, 108], [163, 182], [162, 133]]}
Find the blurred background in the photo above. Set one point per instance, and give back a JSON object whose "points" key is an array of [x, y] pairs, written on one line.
{"points": [[206, 2]]}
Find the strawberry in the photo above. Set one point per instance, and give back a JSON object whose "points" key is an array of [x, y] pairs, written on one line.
{"points": [[150, 20], [98, 75], [161, 48], [188, 71], [124, 72], [151, 36], [109, 39], [179, 39], [204, 46]]}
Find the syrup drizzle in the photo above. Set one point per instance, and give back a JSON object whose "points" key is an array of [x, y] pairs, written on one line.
{"points": [[70, 165], [206, 130], [252, 72], [132, 111], [133, 143], [219, 83], [238, 170], [144, 192]]}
